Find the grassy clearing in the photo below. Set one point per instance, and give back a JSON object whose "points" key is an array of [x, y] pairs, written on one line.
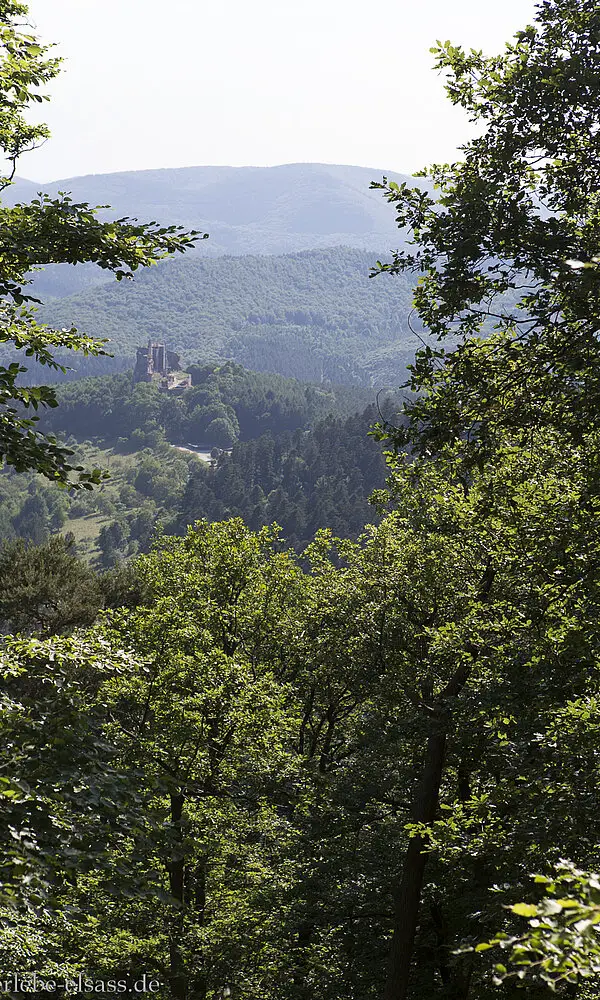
{"points": [[144, 490], [86, 531]]}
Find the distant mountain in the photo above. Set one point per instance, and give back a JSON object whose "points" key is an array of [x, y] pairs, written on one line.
{"points": [[245, 210], [314, 315]]}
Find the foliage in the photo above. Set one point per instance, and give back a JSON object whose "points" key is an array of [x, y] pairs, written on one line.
{"points": [[276, 715], [303, 481], [356, 757], [64, 800], [33, 509], [110, 408], [561, 944], [536, 372], [499, 242], [219, 757], [515, 218], [46, 588]]}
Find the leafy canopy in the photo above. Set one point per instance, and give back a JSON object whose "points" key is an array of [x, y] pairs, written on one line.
{"points": [[506, 240], [505, 249]]}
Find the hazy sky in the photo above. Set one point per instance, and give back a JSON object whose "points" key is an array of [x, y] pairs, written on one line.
{"points": [[255, 82]]}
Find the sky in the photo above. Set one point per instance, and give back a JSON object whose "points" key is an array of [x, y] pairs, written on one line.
{"points": [[149, 84]]}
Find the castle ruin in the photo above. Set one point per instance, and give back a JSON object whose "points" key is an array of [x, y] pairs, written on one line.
{"points": [[155, 363]]}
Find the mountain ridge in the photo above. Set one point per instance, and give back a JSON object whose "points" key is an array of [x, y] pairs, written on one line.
{"points": [[245, 210]]}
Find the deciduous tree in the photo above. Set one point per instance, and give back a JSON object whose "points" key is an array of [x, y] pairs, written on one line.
{"points": [[505, 248], [507, 241]]}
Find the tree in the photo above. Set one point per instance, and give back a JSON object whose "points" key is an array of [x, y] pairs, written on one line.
{"points": [[204, 714], [561, 943], [48, 231], [506, 255], [509, 241], [46, 589], [502, 631], [32, 521], [221, 433], [112, 541], [123, 586], [274, 720]]}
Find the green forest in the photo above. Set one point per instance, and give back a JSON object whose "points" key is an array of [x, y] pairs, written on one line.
{"points": [[314, 315], [273, 450], [300, 680]]}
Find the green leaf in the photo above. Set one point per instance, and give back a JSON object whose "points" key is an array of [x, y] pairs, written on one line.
{"points": [[524, 909]]}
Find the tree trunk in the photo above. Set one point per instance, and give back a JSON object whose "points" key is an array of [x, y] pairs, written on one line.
{"points": [[195, 891], [456, 976], [407, 898], [176, 885]]}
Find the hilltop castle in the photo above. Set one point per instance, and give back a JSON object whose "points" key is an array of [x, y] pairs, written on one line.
{"points": [[155, 363]]}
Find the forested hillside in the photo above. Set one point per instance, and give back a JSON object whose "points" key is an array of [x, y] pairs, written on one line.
{"points": [[354, 755], [225, 403], [314, 316], [303, 481], [304, 460], [246, 210]]}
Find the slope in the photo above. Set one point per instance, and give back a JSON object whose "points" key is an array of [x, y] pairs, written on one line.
{"points": [[314, 315]]}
